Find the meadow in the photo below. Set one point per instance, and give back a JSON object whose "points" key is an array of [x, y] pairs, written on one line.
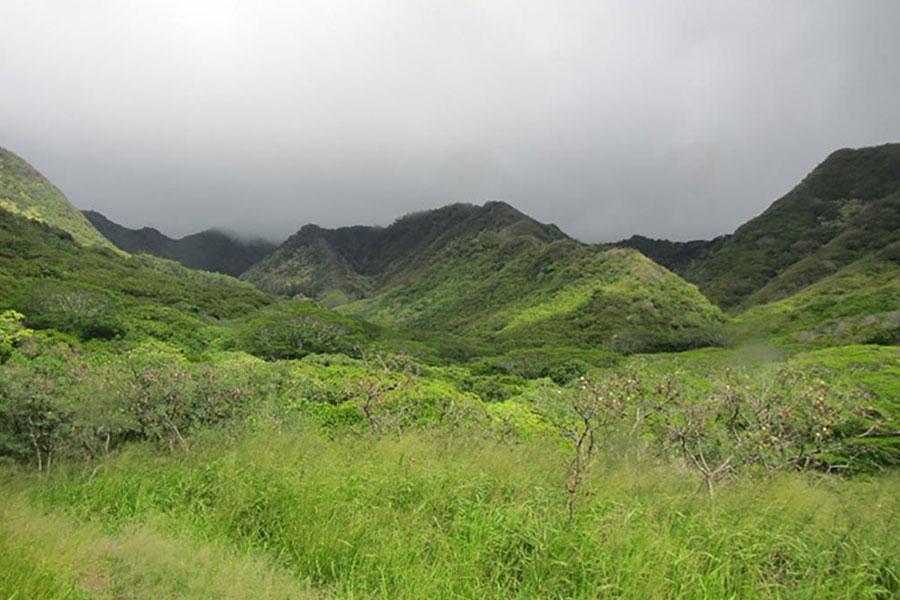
{"points": [[285, 511], [495, 410], [715, 473]]}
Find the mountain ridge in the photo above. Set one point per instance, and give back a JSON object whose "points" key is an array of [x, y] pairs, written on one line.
{"points": [[208, 250], [492, 273], [375, 254], [845, 208]]}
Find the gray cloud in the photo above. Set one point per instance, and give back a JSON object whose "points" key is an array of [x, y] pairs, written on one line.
{"points": [[672, 119]]}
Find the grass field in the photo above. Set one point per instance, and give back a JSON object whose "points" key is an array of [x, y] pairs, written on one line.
{"points": [[287, 512]]}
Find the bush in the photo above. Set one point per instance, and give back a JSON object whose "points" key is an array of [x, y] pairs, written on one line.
{"points": [[296, 328]]}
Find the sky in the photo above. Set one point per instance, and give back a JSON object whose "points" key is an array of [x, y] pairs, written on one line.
{"points": [[675, 119]]}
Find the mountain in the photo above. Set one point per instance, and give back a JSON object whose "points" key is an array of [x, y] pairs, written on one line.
{"points": [[819, 265], [340, 265], [59, 274], [847, 208], [860, 303], [210, 250], [678, 257], [493, 274], [95, 293], [26, 192]]}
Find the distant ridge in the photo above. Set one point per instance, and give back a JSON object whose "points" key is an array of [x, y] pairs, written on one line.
{"points": [[348, 263], [494, 273], [678, 257], [209, 250]]}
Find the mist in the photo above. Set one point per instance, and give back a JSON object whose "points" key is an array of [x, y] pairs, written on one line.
{"points": [[676, 120]]}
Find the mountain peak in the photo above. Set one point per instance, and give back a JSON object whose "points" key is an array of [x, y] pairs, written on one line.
{"points": [[845, 209], [346, 262], [857, 173]]}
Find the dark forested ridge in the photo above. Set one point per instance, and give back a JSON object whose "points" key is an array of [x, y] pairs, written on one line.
{"points": [[678, 257], [210, 250], [348, 263]]}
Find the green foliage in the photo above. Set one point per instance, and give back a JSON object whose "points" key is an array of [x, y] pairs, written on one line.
{"points": [[851, 391], [496, 437], [82, 310], [415, 517], [517, 291], [561, 364], [12, 332], [59, 401], [678, 257], [858, 304], [349, 263], [295, 329], [28, 577], [848, 208], [492, 276], [309, 268], [94, 293]]}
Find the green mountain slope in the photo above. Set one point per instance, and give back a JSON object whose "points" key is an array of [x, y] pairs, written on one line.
{"points": [[845, 209], [23, 190], [492, 274], [209, 250], [819, 266], [860, 303], [519, 292], [92, 293], [312, 263], [335, 266], [678, 257]]}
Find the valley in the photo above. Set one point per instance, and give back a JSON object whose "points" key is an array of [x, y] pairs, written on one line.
{"points": [[466, 403]]}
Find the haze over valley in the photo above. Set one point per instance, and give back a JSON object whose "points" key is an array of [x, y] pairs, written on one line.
{"points": [[449, 300]]}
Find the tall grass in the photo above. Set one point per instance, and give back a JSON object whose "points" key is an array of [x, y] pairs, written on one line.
{"points": [[46, 555], [25, 577], [432, 517]]}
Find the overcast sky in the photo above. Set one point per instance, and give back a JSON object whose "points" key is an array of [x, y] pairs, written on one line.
{"points": [[677, 119]]}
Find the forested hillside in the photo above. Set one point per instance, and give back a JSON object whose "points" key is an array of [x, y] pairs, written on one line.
{"points": [[209, 250], [494, 410], [493, 274]]}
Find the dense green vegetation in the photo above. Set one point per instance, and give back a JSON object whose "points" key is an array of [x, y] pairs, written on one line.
{"points": [[494, 276], [846, 210], [679, 257], [210, 250], [351, 262], [331, 476], [502, 432], [291, 513], [859, 303], [96, 294], [519, 292]]}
